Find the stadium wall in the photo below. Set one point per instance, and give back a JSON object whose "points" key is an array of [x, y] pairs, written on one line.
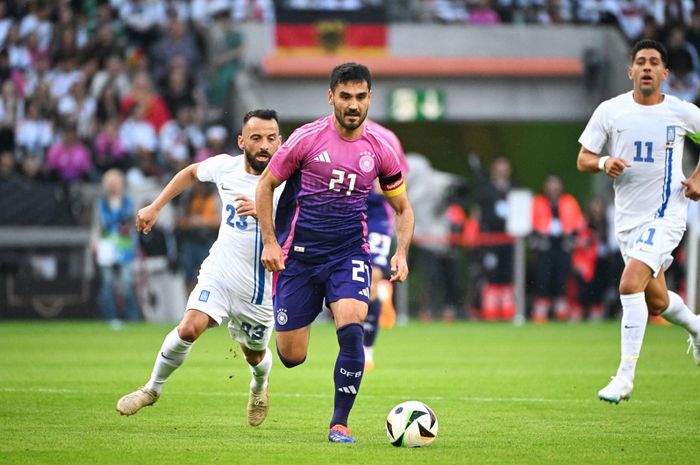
{"points": [[532, 93]]}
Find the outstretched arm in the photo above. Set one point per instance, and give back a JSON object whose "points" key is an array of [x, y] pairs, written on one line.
{"points": [[692, 184], [147, 216], [272, 257], [404, 234], [590, 162]]}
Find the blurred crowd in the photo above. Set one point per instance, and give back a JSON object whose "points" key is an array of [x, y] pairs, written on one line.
{"points": [[464, 257], [134, 85], [138, 89]]}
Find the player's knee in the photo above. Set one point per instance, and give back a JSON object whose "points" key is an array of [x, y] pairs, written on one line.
{"points": [[629, 287], [254, 359], [657, 304], [189, 331], [290, 361]]}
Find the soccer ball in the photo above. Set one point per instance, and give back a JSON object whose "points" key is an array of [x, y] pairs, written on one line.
{"points": [[411, 424]]}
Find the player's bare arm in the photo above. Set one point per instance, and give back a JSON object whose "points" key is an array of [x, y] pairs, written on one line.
{"points": [[692, 185], [272, 257], [147, 216], [405, 222], [590, 162]]}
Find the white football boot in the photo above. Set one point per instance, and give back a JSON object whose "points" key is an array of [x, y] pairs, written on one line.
{"points": [[132, 403], [694, 344], [617, 389], [258, 406]]}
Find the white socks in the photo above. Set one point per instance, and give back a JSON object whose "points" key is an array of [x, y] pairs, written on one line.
{"points": [[633, 325], [679, 314], [369, 353], [260, 373], [172, 354]]}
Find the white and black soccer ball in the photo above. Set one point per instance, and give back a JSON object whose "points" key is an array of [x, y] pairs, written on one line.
{"points": [[411, 424]]}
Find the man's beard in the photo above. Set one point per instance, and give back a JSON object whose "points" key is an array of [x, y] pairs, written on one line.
{"points": [[257, 166], [350, 126]]}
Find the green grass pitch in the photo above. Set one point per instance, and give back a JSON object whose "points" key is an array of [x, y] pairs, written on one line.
{"points": [[502, 394]]}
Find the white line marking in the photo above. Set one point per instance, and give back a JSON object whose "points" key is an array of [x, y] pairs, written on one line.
{"points": [[474, 399]]}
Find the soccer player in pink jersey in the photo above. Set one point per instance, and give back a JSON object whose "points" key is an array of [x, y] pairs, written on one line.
{"points": [[317, 246]]}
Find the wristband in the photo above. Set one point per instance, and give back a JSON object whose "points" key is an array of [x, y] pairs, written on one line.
{"points": [[601, 163]]}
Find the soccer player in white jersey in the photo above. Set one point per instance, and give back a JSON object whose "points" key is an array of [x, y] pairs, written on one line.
{"points": [[643, 131], [232, 285]]}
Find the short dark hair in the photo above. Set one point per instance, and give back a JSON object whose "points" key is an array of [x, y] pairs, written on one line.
{"points": [[350, 72], [649, 43], [262, 114]]}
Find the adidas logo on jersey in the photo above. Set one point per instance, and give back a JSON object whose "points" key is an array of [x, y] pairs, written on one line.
{"points": [[323, 157], [364, 292], [348, 389]]}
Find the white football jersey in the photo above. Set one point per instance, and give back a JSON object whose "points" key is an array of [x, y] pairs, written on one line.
{"points": [[234, 259], [650, 138]]}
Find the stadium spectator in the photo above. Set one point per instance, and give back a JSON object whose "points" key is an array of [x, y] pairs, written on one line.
{"points": [[652, 29], [497, 291], [177, 41], [556, 218], [677, 43], [115, 250], [683, 81], [103, 46], [38, 20], [692, 33], [180, 139], [225, 49], [651, 199], [112, 74], [590, 260], [197, 229], [141, 141], [108, 104], [481, 12], [215, 143], [142, 20], [34, 133], [37, 75], [69, 158], [5, 22], [154, 108], [11, 105], [65, 74], [109, 149], [180, 89], [444, 11], [80, 107], [66, 40]]}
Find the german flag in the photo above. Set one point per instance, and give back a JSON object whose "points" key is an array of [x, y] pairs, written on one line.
{"points": [[313, 32]]}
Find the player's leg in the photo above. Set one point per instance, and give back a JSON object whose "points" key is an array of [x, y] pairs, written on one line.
{"points": [[371, 324], [173, 353], [297, 302], [260, 363], [671, 307], [251, 326], [292, 346], [635, 278], [348, 315]]}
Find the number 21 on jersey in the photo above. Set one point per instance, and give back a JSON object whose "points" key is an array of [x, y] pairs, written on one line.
{"points": [[338, 180]]}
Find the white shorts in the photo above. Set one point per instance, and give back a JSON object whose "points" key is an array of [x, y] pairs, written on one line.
{"points": [[248, 323], [652, 244]]}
